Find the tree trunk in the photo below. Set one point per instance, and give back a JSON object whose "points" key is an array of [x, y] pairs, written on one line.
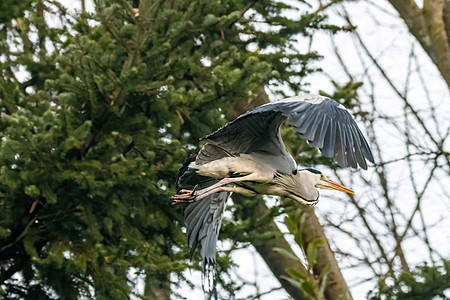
{"points": [[276, 262], [157, 288], [430, 26], [336, 288]]}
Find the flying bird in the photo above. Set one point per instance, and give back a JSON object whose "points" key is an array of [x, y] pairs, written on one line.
{"points": [[247, 156]]}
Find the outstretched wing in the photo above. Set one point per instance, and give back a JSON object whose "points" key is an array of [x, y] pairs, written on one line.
{"points": [[323, 122]]}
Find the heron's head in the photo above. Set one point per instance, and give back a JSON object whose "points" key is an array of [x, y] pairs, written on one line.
{"points": [[303, 184]]}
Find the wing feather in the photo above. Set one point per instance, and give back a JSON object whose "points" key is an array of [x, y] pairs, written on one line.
{"points": [[350, 147], [319, 137], [310, 131], [339, 147], [330, 137], [203, 220], [341, 143], [323, 122]]}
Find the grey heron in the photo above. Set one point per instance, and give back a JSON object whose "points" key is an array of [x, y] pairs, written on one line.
{"points": [[247, 156]]}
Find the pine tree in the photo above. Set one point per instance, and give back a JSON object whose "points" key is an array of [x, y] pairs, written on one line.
{"points": [[98, 112]]}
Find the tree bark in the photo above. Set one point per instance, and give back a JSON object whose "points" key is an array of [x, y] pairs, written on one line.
{"points": [[430, 26], [336, 287], [157, 288], [276, 262]]}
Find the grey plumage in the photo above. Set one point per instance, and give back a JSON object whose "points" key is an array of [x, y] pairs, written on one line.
{"points": [[203, 220], [248, 156], [321, 121]]}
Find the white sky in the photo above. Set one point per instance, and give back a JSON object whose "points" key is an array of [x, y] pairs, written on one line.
{"points": [[389, 40]]}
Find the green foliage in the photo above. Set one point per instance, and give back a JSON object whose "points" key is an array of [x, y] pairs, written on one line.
{"points": [[311, 286], [98, 112], [10, 9], [426, 282], [345, 94]]}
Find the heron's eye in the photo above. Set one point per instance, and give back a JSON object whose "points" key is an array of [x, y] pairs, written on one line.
{"points": [[322, 177], [294, 172]]}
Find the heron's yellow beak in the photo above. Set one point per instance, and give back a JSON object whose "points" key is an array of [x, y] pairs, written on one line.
{"points": [[335, 186]]}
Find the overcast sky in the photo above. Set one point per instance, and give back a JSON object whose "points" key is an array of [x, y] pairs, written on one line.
{"points": [[389, 40]]}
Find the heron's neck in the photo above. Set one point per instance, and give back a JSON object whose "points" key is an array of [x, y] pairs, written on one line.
{"points": [[306, 186]]}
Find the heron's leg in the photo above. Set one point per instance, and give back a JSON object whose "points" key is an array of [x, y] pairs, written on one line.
{"points": [[222, 182], [231, 189], [189, 197]]}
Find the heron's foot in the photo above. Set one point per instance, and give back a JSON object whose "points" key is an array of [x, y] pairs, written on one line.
{"points": [[181, 201], [188, 192], [184, 196]]}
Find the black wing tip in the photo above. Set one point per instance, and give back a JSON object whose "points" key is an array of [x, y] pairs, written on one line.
{"points": [[369, 157], [206, 260], [363, 166], [355, 167], [192, 252]]}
